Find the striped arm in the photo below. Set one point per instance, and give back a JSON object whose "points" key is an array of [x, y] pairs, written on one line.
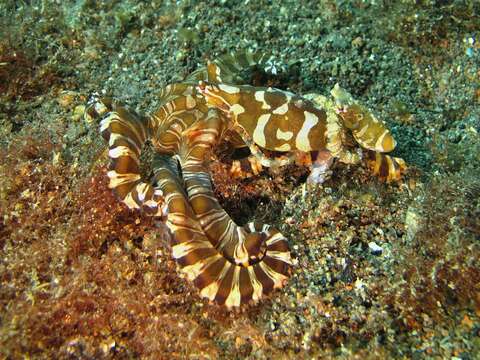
{"points": [[219, 279], [255, 247], [238, 159], [229, 68], [246, 167], [126, 133], [384, 166], [180, 108]]}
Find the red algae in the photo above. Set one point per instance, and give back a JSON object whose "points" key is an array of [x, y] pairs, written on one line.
{"points": [[21, 77], [81, 274]]}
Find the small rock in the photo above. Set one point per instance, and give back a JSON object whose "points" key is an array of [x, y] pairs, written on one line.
{"points": [[66, 98], [78, 112], [374, 248], [108, 345], [412, 223]]}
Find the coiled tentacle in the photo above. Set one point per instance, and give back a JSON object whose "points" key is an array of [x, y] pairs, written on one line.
{"points": [[219, 278], [126, 133], [259, 249]]}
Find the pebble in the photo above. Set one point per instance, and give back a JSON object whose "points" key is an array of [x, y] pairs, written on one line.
{"points": [[374, 248], [78, 112], [66, 98]]}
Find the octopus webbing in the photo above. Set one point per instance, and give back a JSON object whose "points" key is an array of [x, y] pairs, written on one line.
{"points": [[228, 263]]}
